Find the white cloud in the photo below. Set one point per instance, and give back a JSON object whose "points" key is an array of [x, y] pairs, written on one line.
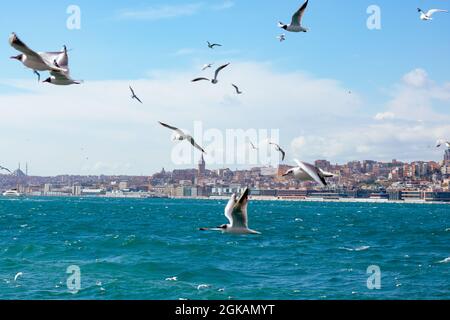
{"points": [[384, 116], [48, 125], [416, 78], [224, 6], [415, 122], [161, 12], [166, 11]]}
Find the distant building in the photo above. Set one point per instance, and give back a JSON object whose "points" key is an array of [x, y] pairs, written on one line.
{"points": [[201, 167]]}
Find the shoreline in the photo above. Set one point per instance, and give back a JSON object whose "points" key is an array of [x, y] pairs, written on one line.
{"points": [[252, 198]]}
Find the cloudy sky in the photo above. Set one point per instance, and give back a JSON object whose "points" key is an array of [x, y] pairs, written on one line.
{"points": [[340, 92]]}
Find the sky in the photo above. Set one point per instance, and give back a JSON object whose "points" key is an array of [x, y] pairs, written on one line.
{"points": [[340, 92]]}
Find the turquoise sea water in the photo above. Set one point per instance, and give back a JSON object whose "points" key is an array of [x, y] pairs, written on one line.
{"points": [[126, 249]]}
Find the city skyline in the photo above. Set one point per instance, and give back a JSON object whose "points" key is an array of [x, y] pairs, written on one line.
{"points": [[373, 101]]}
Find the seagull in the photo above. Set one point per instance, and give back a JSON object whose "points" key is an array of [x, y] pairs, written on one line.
{"points": [[214, 81], [426, 16], [36, 61], [253, 146], [236, 213], [281, 37], [441, 142], [237, 89], [308, 172], [61, 77], [134, 96], [212, 45], [207, 66], [181, 136], [296, 24], [5, 169], [279, 149]]}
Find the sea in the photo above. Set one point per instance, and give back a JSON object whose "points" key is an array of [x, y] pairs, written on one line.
{"points": [[109, 249]]}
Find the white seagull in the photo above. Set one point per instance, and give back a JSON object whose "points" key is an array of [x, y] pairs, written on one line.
{"points": [[237, 89], [281, 37], [236, 213], [279, 149], [216, 74], [207, 66], [441, 142], [308, 172], [36, 61], [181, 136], [426, 16], [61, 77], [296, 24]]}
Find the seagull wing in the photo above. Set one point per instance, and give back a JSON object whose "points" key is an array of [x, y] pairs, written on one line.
{"points": [[220, 69], [200, 79], [237, 88], [240, 217], [132, 92], [61, 75], [192, 141], [433, 11], [297, 17], [180, 132], [279, 149], [229, 208], [313, 172], [58, 59], [17, 44], [6, 169]]}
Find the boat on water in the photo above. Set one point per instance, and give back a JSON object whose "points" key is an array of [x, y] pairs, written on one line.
{"points": [[13, 193]]}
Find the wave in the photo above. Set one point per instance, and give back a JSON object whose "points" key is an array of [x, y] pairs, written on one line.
{"points": [[362, 248]]}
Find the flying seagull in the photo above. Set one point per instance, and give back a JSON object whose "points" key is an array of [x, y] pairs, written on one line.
{"points": [[61, 77], [308, 172], [207, 66], [5, 169], [36, 61], [296, 24], [253, 146], [181, 136], [279, 149], [216, 74], [281, 37], [134, 96], [236, 213], [441, 142], [426, 16], [237, 89], [212, 45]]}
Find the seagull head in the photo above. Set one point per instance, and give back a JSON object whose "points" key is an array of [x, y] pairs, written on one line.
{"points": [[282, 25], [289, 173], [18, 57]]}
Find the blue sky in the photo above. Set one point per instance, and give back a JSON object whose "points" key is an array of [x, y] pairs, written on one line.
{"points": [[139, 41]]}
